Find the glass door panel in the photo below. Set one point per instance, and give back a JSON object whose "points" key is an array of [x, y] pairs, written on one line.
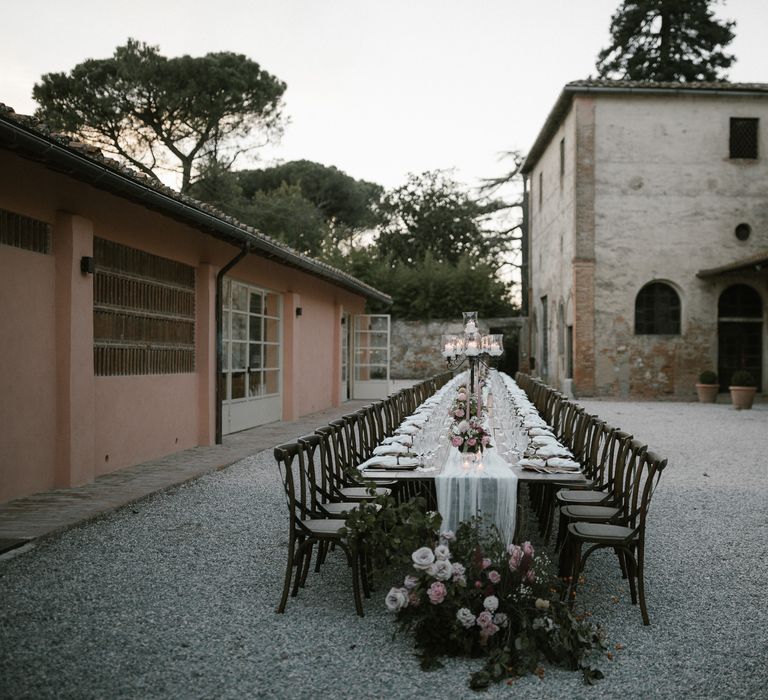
{"points": [[371, 356]]}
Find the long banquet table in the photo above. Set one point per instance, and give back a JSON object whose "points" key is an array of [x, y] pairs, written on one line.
{"points": [[488, 486]]}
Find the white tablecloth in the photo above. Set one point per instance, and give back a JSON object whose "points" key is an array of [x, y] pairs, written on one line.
{"points": [[486, 487]]}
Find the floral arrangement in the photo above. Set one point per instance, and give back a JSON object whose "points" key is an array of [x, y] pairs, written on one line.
{"points": [[473, 598], [469, 435], [458, 409]]}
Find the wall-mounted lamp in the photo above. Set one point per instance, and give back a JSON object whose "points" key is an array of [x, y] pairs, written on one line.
{"points": [[299, 311], [87, 266]]}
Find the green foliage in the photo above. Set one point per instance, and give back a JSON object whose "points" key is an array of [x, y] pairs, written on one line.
{"points": [[742, 378], [346, 204], [708, 377], [163, 113], [391, 531], [432, 215], [435, 290], [666, 40]]}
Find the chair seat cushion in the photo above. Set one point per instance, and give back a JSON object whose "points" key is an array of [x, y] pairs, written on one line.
{"points": [[575, 496], [324, 526], [600, 532], [339, 509], [361, 492], [590, 513]]}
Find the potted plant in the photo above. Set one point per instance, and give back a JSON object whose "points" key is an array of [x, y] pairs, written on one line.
{"points": [[707, 387], [742, 390]]}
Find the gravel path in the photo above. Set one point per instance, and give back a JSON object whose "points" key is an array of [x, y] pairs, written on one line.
{"points": [[174, 597]]}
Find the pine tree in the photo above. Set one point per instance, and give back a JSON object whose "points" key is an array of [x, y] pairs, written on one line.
{"points": [[666, 40]]}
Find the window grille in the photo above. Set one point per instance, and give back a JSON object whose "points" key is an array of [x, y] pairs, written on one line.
{"points": [[23, 232], [743, 139], [657, 310], [143, 312]]}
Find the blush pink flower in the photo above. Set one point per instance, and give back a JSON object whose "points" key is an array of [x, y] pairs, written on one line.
{"points": [[459, 413], [471, 442], [484, 619], [462, 396], [456, 441], [485, 563], [485, 440], [494, 576], [530, 576], [528, 549], [437, 592]]}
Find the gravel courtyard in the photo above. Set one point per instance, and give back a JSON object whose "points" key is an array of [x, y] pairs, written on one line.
{"points": [[174, 597]]}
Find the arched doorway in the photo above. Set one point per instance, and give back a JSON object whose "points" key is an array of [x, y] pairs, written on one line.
{"points": [[739, 334]]}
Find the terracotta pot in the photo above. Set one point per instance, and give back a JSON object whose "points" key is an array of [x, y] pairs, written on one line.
{"points": [[707, 392], [742, 396]]}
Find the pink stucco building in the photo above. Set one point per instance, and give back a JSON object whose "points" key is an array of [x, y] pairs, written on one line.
{"points": [[112, 289]]}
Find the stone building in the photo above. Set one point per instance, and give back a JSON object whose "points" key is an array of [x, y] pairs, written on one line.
{"points": [[648, 235]]}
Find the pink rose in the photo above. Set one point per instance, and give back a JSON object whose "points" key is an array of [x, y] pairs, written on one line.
{"points": [[515, 558], [478, 584], [459, 413], [456, 442], [471, 442], [528, 549], [484, 619], [485, 440], [485, 563], [437, 592], [530, 576], [494, 576], [462, 396]]}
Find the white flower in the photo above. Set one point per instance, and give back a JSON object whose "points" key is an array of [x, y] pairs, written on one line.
{"points": [[410, 582], [423, 558], [442, 552], [441, 570], [463, 427], [465, 617], [458, 569], [396, 599], [542, 604], [491, 603], [500, 619], [448, 536]]}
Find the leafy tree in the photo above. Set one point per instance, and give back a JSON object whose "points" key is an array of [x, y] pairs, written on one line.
{"points": [[432, 214], [346, 204], [666, 40], [162, 113]]}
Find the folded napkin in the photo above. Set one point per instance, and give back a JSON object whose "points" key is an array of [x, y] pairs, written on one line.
{"points": [[547, 451], [541, 440], [390, 462], [531, 463], [400, 439], [394, 448], [407, 429], [531, 422], [540, 432], [563, 463]]}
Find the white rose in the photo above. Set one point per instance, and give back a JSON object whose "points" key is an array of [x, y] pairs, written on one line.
{"points": [[448, 536], [423, 558], [542, 604], [500, 619], [411, 582], [463, 427], [465, 617], [442, 570], [442, 552], [396, 599], [491, 603]]}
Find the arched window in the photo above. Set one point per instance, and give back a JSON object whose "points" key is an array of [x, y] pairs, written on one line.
{"points": [[657, 310]]}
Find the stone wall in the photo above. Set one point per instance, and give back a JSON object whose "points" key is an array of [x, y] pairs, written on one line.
{"points": [[415, 345]]}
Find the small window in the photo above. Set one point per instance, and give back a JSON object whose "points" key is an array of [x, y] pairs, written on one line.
{"points": [[22, 232], [743, 139], [657, 310], [742, 231]]}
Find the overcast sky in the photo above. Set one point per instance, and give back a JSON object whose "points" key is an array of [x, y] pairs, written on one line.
{"points": [[378, 88]]}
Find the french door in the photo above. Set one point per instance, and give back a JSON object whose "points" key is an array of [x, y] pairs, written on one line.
{"points": [[251, 379], [370, 377]]}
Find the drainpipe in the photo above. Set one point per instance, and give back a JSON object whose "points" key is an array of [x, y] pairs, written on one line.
{"points": [[219, 333]]}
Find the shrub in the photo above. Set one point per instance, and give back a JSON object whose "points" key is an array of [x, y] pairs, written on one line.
{"points": [[708, 377], [742, 378]]}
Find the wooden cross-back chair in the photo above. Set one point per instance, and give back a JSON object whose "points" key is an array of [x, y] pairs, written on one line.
{"points": [[307, 527], [625, 534]]}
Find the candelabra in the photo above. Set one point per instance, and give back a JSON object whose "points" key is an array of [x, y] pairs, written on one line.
{"points": [[471, 347]]}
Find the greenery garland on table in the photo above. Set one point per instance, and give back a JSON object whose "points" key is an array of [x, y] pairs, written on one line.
{"points": [[469, 595]]}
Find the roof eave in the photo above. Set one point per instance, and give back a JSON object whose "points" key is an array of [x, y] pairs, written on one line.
{"points": [[34, 146]]}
